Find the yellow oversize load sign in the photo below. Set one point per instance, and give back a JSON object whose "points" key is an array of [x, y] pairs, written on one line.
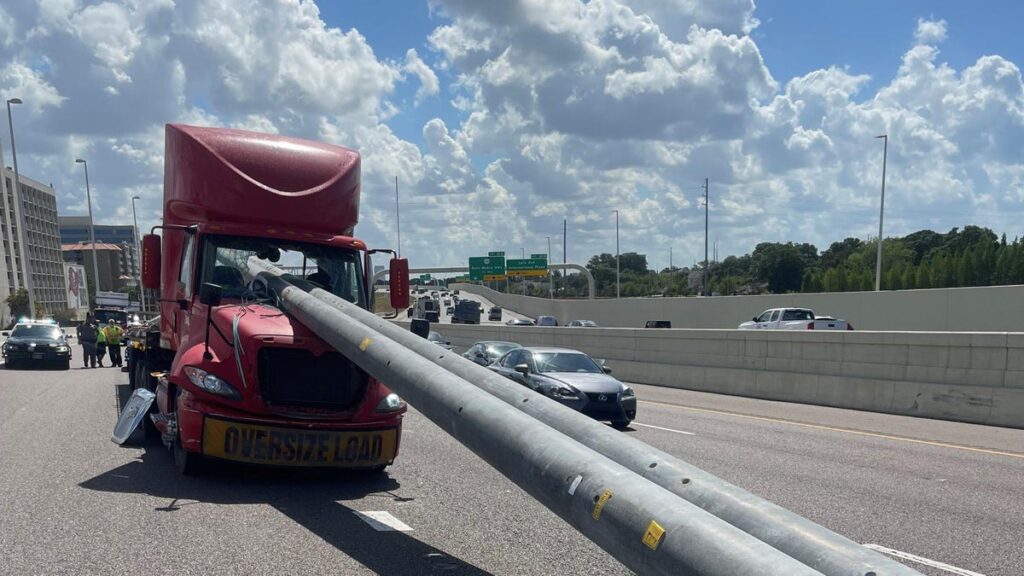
{"points": [[272, 445]]}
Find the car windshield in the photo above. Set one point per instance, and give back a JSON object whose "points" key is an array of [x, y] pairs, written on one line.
{"points": [[565, 362], [496, 350], [35, 331], [225, 262]]}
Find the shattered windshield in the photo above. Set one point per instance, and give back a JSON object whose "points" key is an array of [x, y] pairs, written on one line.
{"points": [[336, 270]]}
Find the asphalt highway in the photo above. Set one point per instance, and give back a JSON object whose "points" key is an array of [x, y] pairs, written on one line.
{"points": [[73, 502]]}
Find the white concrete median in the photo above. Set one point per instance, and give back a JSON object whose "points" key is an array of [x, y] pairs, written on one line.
{"points": [[969, 377]]}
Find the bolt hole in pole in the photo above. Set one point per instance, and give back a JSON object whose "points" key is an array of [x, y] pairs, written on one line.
{"points": [[460, 409], [652, 465], [685, 480], [596, 498], [525, 400]]}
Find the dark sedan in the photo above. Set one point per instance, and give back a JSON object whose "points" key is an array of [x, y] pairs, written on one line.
{"points": [[572, 378], [487, 351], [37, 342]]}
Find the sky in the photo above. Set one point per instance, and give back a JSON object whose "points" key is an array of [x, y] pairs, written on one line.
{"points": [[502, 118]]}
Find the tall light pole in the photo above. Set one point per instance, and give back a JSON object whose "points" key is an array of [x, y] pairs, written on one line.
{"points": [[398, 219], [551, 279], [92, 230], [881, 214], [138, 253], [26, 257], [707, 263], [618, 285]]}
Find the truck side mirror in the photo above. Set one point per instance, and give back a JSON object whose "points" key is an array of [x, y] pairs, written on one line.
{"points": [[210, 294], [151, 261], [398, 281]]}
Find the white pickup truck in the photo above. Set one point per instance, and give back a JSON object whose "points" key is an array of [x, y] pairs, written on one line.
{"points": [[794, 319]]}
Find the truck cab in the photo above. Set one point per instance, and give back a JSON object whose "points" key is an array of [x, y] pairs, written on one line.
{"points": [[237, 377]]}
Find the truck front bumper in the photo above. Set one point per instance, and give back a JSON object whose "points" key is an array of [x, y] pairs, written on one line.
{"points": [[221, 433]]}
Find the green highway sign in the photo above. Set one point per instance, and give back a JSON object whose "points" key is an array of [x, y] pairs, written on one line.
{"points": [[496, 254], [424, 277], [528, 267], [539, 256], [484, 268]]}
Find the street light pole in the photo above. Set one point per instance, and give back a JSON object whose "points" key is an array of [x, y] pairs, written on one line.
{"points": [[26, 257], [138, 248], [551, 279], [707, 264], [398, 219], [618, 291], [92, 230], [881, 214]]}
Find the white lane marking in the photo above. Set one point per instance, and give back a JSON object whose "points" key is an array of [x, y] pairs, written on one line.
{"points": [[383, 521], [665, 429], [922, 560]]}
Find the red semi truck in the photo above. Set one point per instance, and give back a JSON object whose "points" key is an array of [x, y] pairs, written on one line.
{"points": [[236, 378]]}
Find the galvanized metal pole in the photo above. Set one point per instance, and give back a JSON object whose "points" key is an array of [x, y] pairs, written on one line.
{"points": [[707, 265], [138, 253], [398, 219], [647, 528], [19, 206], [618, 291], [8, 217], [826, 551], [92, 230], [881, 214]]}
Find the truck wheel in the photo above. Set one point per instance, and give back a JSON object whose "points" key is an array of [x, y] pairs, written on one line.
{"points": [[140, 379], [188, 463]]}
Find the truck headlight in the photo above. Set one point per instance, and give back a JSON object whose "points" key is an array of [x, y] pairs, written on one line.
{"points": [[211, 383], [390, 403]]}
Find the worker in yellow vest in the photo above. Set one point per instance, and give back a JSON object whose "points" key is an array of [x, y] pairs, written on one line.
{"points": [[113, 334]]}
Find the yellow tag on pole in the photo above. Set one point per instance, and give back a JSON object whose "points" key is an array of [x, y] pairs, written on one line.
{"points": [[364, 344], [653, 535], [601, 501]]}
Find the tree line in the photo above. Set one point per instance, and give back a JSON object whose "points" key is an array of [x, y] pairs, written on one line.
{"points": [[971, 256]]}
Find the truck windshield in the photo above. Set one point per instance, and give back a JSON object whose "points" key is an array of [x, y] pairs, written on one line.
{"points": [[337, 270]]}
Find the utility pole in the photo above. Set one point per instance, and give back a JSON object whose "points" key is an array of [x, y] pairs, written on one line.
{"points": [[881, 214], [707, 264], [670, 259], [138, 248]]}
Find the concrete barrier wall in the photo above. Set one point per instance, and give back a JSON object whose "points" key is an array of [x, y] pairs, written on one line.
{"points": [[969, 377], [987, 309]]}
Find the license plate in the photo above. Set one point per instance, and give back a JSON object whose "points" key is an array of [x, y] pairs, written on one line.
{"points": [[36, 356], [274, 445]]}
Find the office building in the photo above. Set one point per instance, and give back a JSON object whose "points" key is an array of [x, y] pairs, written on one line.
{"points": [[75, 229], [37, 204], [108, 264]]}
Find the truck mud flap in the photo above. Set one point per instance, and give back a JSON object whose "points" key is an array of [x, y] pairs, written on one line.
{"points": [[134, 411]]}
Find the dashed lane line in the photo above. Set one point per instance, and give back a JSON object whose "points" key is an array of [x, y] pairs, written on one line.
{"points": [[842, 430], [383, 521], [922, 560], [663, 428]]}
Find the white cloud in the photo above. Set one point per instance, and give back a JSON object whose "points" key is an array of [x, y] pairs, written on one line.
{"points": [[562, 109], [930, 31]]}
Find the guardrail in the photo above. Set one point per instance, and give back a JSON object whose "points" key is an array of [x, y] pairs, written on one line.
{"points": [[609, 488]]}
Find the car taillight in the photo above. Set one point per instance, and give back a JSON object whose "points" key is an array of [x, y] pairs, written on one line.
{"points": [[810, 325]]}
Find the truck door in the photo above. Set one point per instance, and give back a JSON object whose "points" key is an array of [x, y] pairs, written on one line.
{"points": [[773, 322]]}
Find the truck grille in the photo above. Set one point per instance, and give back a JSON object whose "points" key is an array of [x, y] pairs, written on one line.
{"points": [[294, 377]]}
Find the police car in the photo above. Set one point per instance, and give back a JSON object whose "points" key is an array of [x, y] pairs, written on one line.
{"points": [[37, 342]]}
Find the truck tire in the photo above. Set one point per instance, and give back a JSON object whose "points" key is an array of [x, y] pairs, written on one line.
{"points": [[139, 378], [187, 463]]}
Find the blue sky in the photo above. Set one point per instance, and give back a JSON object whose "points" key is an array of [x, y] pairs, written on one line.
{"points": [[503, 118]]}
